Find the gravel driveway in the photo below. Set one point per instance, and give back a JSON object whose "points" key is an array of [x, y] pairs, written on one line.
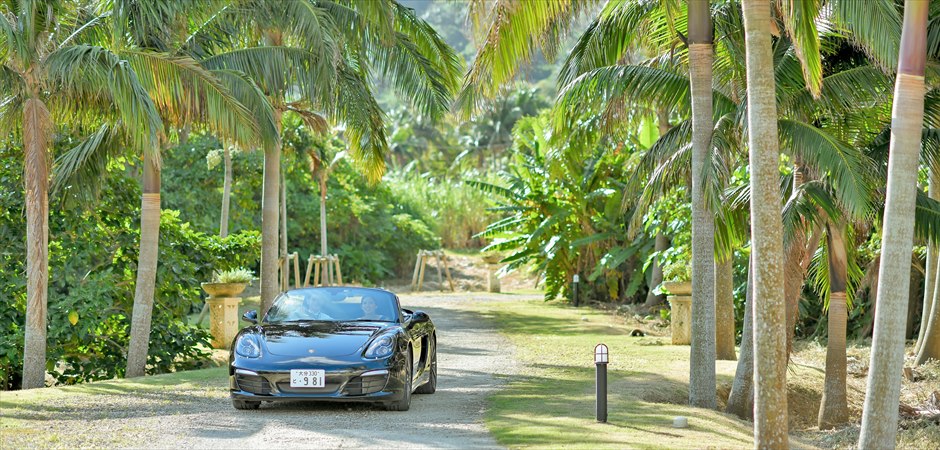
{"points": [[472, 356]]}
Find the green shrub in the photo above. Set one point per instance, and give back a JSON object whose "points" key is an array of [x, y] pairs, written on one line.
{"points": [[92, 271], [240, 275]]}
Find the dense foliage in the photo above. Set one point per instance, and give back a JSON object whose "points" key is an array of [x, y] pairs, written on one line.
{"points": [[375, 233], [93, 255]]}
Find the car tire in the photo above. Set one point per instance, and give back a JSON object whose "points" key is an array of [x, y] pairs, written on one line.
{"points": [[431, 386], [245, 404], [405, 403]]}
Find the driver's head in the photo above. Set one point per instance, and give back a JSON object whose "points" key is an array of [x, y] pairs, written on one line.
{"points": [[368, 304]]}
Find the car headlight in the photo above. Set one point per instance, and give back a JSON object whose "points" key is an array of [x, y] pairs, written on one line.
{"points": [[248, 346], [381, 347]]}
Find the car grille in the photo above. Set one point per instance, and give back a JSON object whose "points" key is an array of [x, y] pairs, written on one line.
{"points": [[366, 385], [253, 383], [284, 386]]}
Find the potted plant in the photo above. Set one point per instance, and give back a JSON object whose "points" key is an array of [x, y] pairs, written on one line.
{"points": [[228, 283], [679, 287], [678, 278]]}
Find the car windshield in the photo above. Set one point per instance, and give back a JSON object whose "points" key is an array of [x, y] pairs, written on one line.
{"points": [[334, 305]]}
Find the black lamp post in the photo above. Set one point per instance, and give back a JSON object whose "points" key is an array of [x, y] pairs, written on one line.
{"points": [[600, 363]]}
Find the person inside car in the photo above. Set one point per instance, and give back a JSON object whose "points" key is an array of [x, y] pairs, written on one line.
{"points": [[313, 309], [369, 308]]}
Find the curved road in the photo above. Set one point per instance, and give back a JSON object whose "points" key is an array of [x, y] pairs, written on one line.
{"points": [[471, 356]]}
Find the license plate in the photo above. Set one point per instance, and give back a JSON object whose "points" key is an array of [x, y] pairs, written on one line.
{"points": [[313, 378]]}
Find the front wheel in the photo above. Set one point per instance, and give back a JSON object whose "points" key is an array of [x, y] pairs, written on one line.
{"points": [[245, 404], [405, 403], [431, 386]]}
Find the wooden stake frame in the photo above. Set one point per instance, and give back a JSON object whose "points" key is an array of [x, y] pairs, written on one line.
{"points": [[421, 262]]}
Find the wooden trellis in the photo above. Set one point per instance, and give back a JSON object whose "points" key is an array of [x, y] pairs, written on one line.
{"points": [[326, 270], [284, 268], [421, 262]]}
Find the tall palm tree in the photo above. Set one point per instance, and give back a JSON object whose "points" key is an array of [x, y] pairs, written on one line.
{"points": [[185, 93], [322, 163], [880, 414], [321, 56], [928, 340], [770, 410], [54, 71], [702, 362], [833, 408]]}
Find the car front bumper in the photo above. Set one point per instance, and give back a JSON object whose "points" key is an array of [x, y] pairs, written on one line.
{"points": [[372, 381]]}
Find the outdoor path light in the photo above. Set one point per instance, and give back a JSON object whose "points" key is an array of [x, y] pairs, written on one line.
{"points": [[600, 362], [574, 289]]}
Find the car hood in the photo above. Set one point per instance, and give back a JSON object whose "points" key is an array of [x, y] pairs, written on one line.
{"points": [[323, 338]]}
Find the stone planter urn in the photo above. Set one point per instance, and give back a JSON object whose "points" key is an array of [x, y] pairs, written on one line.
{"points": [[680, 302], [223, 304], [492, 280]]}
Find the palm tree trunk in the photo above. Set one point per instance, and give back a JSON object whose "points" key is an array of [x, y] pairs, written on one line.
{"points": [[880, 415], [930, 349], [741, 398], [323, 248], [36, 139], [930, 272], [226, 192], [146, 270], [283, 215], [702, 364], [269, 227], [652, 300], [794, 272], [724, 309], [270, 286], [834, 408], [662, 242], [770, 335]]}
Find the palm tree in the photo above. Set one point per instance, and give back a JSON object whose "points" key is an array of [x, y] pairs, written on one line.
{"points": [[53, 71], [320, 170], [724, 308], [741, 397], [928, 340], [185, 94], [319, 56], [880, 414], [702, 365], [770, 411], [833, 408]]}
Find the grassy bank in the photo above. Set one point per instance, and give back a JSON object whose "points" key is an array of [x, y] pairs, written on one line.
{"points": [[551, 402]]}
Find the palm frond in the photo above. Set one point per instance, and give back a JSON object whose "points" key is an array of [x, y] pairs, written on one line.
{"points": [[800, 20], [601, 87], [415, 76], [281, 70], [841, 92], [514, 31], [846, 166], [80, 71], [873, 25], [81, 169], [927, 218], [620, 26], [365, 127], [249, 94], [186, 93]]}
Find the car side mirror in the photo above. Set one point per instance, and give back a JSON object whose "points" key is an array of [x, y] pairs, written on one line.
{"points": [[250, 316], [420, 317]]}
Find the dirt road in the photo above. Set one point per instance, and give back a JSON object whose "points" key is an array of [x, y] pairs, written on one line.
{"points": [[472, 356]]}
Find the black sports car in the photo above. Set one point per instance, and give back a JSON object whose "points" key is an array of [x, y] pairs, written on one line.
{"points": [[334, 343]]}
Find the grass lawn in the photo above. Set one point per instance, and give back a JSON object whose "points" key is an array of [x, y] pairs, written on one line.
{"points": [[551, 403]]}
